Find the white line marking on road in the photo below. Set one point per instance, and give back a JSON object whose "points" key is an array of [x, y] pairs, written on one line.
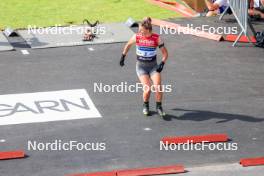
{"points": [[2, 140], [25, 52], [147, 129], [91, 49]]}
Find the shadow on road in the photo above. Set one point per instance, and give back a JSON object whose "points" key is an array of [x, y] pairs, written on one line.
{"points": [[199, 115]]}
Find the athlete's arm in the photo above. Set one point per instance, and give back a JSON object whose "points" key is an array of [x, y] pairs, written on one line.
{"points": [[131, 42], [164, 52], [126, 49]]}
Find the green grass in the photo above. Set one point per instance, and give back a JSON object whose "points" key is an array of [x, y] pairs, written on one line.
{"points": [[21, 13]]}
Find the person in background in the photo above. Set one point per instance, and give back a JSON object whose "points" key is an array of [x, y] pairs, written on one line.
{"points": [[216, 7], [256, 8]]}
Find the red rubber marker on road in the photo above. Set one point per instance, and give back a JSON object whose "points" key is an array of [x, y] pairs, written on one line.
{"points": [[113, 173], [252, 161], [195, 139], [243, 39], [152, 171], [139, 172], [11, 155]]}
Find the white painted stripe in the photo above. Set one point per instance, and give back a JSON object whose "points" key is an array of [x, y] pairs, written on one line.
{"points": [[91, 49], [46, 106], [147, 129], [2, 140], [25, 52]]}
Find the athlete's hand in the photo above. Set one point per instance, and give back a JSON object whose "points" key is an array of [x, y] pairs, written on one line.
{"points": [[122, 60], [160, 66]]}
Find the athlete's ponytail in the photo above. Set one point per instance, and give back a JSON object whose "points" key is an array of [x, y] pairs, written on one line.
{"points": [[146, 23]]}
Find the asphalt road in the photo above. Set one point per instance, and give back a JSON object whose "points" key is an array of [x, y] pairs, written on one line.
{"points": [[216, 89]]}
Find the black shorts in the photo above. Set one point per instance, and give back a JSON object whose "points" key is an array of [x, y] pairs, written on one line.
{"points": [[146, 68]]}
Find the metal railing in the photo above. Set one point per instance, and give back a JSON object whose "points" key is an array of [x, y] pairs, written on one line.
{"points": [[239, 9]]}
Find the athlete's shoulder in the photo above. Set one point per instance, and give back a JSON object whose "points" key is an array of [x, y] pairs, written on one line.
{"points": [[155, 35]]}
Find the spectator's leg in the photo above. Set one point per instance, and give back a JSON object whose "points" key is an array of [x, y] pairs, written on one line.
{"points": [[212, 13], [253, 12]]}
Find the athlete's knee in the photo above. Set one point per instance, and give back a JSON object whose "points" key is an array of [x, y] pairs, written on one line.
{"points": [[158, 88], [147, 89]]}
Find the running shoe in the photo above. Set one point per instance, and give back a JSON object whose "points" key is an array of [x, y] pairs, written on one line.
{"points": [[160, 111], [146, 109]]}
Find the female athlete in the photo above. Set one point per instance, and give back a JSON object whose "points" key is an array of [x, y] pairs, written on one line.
{"points": [[147, 68]]}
